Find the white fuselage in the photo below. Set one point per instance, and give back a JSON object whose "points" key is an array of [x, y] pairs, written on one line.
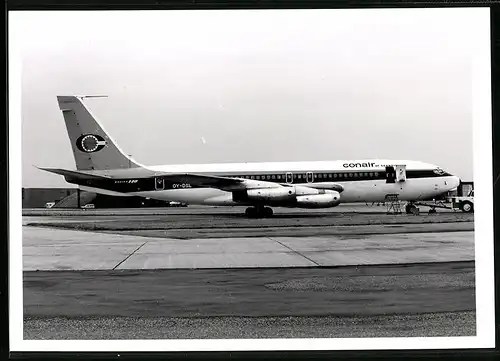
{"points": [[355, 190]]}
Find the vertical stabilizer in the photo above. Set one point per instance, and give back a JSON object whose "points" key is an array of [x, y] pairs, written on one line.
{"points": [[92, 147]]}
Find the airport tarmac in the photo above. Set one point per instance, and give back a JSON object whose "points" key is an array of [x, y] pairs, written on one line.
{"points": [[55, 249], [368, 301], [94, 275]]}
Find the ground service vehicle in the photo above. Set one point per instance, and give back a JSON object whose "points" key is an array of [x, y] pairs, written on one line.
{"points": [[464, 203]]}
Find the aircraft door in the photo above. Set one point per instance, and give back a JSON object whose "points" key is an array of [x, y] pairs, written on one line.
{"points": [[159, 183], [400, 173], [289, 177], [390, 174], [309, 177]]}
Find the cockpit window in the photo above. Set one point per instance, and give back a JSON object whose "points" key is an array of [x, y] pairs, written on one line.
{"points": [[439, 171]]}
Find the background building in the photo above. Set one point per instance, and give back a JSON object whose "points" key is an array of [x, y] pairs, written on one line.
{"points": [[74, 198]]}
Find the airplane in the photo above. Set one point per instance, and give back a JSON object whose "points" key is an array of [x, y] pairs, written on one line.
{"points": [[102, 167]]}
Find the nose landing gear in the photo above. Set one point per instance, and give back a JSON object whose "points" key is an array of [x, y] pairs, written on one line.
{"points": [[412, 209], [259, 212]]}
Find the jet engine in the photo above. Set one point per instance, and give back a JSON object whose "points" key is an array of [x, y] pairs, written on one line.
{"points": [[296, 196], [281, 193], [326, 200]]}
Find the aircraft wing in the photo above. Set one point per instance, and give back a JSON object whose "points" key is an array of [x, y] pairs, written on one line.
{"points": [[188, 180], [235, 184], [201, 180], [184, 180], [223, 183]]}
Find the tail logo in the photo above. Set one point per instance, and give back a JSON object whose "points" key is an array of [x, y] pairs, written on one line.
{"points": [[90, 143]]}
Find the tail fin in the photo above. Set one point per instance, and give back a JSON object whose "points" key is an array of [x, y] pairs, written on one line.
{"points": [[92, 147]]}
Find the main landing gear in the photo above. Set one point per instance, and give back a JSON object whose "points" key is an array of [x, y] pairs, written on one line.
{"points": [[412, 209], [259, 212]]}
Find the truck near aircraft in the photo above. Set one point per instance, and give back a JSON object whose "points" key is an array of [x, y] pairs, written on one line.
{"points": [[463, 203]]}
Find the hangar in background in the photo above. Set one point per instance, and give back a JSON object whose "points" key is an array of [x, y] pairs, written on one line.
{"points": [[74, 198]]}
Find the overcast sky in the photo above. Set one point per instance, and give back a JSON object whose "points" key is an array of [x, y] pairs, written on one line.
{"points": [[242, 86]]}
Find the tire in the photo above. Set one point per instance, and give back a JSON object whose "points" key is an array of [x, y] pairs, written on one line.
{"points": [[411, 209], [467, 207], [251, 212], [268, 212]]}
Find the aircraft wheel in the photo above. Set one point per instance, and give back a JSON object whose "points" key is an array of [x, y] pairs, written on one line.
{"points": [[432, 211], [467, 207], [268, 212], [412, 209], [251, 212], [409, 208]]}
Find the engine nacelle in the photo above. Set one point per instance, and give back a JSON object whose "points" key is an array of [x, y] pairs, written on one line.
{"points": [[330, 199], [266, 194], [281, 193]]}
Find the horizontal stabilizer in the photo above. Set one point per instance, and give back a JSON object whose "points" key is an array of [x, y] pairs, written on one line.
{"points": [[73, 173]]}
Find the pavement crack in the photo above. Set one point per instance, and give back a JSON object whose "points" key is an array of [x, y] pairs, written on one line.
{"points": [[294, 251], [130, 255]]}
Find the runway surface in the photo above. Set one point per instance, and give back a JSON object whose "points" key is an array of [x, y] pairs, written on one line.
{"points": [[210, 273], [54, 249], [212, 222], [294, 301]]}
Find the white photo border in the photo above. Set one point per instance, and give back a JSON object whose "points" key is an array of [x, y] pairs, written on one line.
{"points": [[483, 176]]}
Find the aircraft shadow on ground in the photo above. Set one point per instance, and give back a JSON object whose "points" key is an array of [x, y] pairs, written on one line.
{"points": [[294, 215]]}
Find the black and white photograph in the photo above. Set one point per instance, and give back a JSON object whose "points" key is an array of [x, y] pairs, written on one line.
{"points": [[250, 180]]}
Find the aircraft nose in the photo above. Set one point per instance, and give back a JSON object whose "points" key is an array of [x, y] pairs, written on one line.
{"points": [[455, 181]]}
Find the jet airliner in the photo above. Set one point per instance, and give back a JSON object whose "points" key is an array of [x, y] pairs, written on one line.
{"points": [[102, 167]]}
